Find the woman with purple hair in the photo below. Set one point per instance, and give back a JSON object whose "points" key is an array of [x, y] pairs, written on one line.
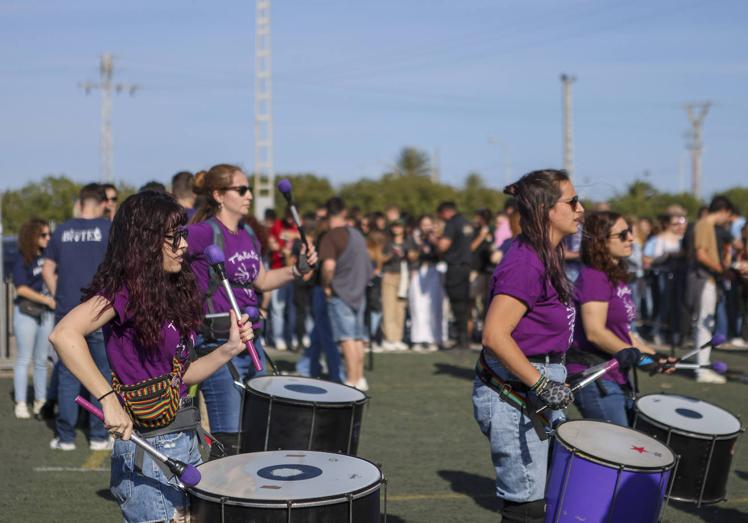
{"points": [[145, 298]]}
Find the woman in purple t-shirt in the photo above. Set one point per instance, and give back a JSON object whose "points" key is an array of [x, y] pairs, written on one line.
{"points": [[145, 298], [606, 310], [221, 219], [528, 328]]}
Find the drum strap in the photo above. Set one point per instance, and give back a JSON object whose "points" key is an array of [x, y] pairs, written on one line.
{"points": [[506, 391]]}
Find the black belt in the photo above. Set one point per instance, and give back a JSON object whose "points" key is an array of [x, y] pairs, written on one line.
{"points": [[552, 357]]}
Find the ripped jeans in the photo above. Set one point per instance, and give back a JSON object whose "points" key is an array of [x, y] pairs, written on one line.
{"points": [[151, 496]]}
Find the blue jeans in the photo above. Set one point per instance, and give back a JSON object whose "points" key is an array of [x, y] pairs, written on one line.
{"points": [[614, 406], [321, 340], [347, 323], [69, 387], [151, 495], [519, 457], [282, 314], [223, 399], [31, 340]]}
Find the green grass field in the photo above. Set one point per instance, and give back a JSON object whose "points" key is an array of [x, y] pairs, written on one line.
{"points": [[418, 426]]}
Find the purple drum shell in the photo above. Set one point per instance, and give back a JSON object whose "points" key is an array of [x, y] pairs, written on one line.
{"points": [[582, 489]]}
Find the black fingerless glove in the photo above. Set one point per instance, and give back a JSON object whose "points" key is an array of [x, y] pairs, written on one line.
{"points": [[554, 394], [303, 265], [628, 358], [654, 362]]}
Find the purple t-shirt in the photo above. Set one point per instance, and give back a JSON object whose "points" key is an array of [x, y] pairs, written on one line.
{"points": [[548, 324], [594, 285], [129, 361], [242, 264]]}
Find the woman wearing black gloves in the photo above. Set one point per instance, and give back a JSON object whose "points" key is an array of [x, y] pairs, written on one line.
{"points": [[528, 328], [607, 310]]}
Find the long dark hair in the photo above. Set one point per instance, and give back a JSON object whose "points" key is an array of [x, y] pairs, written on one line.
{"points": [[535, 194], [217, 178], [595, 253], [134, 261], [28, 239]]}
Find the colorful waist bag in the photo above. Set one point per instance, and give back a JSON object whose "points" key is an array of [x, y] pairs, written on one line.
{"points": [[152, 403]]}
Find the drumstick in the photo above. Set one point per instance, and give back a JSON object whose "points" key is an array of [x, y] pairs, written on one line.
{"points": [[720, 367], [595, 373], [717, 340], [285, 188], [215, 257], [187, 474]]}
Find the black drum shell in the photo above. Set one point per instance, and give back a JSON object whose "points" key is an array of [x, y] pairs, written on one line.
{"points": [[276, 423], [693, 451], [362, 510]]}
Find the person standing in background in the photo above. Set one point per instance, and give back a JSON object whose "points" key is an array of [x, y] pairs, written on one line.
{"points": [[182, 185], [112, 196]]}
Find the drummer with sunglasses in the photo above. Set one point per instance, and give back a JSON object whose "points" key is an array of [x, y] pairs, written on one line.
{"points": [[528, 328], [606, 311], [222, 220]]}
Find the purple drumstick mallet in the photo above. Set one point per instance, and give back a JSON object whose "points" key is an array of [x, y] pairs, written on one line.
{"points": [[187, 474], [214, 254], [285, 186], [720, 367], [717, 339]]}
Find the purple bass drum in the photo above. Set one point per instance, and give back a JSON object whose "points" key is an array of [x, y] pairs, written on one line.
{"points": [[601, 472]]}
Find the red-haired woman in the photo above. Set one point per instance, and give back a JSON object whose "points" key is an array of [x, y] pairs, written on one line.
{"points": [[606, 311], [222, 219], [32, 316], [145, 298]]}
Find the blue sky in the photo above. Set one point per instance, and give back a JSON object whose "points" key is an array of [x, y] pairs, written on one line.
{"points": [[356, 81]]}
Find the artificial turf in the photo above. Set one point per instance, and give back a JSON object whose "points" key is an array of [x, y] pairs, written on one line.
{"points": [[418, 425]]}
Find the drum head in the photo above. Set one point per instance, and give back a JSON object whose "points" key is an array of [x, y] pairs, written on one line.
{"points": [[305, 389], [614, 444], [688, 414], [286, 475]]}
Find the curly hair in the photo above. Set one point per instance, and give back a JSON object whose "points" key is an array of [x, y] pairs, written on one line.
{"points": [[134, 261], [535, 194], [28, 239], [595, 253]]}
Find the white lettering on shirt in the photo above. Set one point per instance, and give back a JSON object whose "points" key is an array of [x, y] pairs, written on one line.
{"points": [[571, 317], [624, 294], [81, 235]]}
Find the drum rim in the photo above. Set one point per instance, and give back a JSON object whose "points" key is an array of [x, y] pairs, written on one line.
{"points": [[612, 464], [283, 504], [683, 432], [305, 503], [331, 404]]}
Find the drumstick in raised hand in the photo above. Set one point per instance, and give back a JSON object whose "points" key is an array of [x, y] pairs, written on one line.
{"points": [[216, 259], [720, 367], [188, 474], [716, 341]]}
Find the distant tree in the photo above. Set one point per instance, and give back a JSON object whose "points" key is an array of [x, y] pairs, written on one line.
{"points": [[643, 199], [52, 199], [412, 162], [475, 195], [738, 196], [415, 194]]}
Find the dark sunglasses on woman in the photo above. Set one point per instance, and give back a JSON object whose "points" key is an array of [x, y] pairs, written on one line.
{"points": [[241, 189]]}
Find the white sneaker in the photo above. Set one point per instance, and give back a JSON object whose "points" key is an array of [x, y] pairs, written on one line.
{"points": [[739, 343], [362, 385], [399, 345], [306, 341], [388, 346], [709, 376], [22, 410], [430, 347], [56, 444], [376, 348], [101, 444], [280, 345], [38, 404]]}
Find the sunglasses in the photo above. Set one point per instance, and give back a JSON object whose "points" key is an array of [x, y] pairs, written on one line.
{"points": [[45, 235], [241, 189], [623, 235], [573, 202], [112, 199], [176, 238]]}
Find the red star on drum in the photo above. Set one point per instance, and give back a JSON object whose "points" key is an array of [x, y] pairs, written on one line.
{"points": [[640, 450]]}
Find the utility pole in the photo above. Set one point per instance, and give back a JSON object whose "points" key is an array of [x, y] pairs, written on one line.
{"points": [[696, 113], [105, 85], [566, 81], [264, 175]]}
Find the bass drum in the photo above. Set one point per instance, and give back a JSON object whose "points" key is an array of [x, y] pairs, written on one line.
{"points": [[295, 413], [287, 487], [703, 435]]}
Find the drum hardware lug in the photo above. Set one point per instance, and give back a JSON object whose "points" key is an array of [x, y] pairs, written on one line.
{"points": [[615, 494], [672, 482], [223, 514], [350, 427], [350, 507], [706, 472], [564, 484], [240, 385], [267, 424], [384, 481], [311, 429], [289, 507]]}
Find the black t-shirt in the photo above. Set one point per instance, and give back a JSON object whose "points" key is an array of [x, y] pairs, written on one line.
{"points": [[460, 231], [482, 254]]}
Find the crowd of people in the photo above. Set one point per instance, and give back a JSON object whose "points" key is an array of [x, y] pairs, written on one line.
{"points": [[525, 283]]}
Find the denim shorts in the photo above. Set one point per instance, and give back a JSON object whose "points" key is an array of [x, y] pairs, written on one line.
{"points": [[615, 406], [150, 495], [347, 323], [519, 457]]}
